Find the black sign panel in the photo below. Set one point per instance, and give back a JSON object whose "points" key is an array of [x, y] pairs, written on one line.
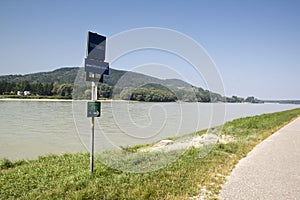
{"points": [[96, 46]]}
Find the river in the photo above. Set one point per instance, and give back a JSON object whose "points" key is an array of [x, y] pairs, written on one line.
{"points": [[33, 128]]}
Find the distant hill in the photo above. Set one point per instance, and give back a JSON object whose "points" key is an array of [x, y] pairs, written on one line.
{"points": [[62, 75], [60, 82], [67, 75]]}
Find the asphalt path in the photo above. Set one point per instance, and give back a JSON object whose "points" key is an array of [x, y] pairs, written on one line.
{"points": [[270, 171]]}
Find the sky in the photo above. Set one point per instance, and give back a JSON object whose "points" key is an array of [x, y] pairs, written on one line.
{"points": [[255, 44]]}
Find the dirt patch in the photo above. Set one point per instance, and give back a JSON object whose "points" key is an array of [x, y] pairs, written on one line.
{"points": [[195, 141]]}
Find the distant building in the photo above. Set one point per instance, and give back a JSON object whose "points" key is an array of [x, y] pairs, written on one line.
{"points": [[25, 93]]}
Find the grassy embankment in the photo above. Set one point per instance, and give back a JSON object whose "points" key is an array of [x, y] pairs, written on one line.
{"points": [[67, 176]]}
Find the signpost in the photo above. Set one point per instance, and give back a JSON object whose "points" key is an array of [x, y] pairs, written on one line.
{"points": [[95, 67]]}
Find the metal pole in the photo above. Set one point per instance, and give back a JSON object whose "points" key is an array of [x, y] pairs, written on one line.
{"points": [[92, 147], [93, 98]]}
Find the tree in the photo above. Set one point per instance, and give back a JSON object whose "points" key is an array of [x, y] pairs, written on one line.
{"points": [[25, 86], [205, 96], [126, 93], [48, 89], [250, 99], [40, 89], [180, 94], [104, 91], [3, 85], [87, 94], [253, 100], [55, 88], [65, 90]]}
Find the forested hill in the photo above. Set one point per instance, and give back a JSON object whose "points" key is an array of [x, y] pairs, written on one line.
{"points": [[67, 76], [63, 75], [129, 85]]}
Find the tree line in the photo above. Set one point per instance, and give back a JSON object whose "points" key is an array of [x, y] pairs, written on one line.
{"points": [[36, 88], [162, 94], [152, 93]]}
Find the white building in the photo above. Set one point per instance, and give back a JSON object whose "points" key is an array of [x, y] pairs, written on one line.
{"points": [[26, 93]]}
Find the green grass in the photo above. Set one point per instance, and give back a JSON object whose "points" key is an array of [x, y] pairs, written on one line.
{"points": [[67, 176]]}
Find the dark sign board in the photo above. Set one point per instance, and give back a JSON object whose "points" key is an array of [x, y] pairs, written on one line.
{"points": [[93, 109], [96, 46], [95, 66]]}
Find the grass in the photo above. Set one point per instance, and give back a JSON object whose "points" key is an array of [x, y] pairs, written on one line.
{"points": [[67, 176]]}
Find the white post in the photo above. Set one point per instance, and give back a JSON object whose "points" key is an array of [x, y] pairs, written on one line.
{"points": [[94, 90], [93, 98]]}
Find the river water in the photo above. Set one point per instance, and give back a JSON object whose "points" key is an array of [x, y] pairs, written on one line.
{"points": [[33, 128]]}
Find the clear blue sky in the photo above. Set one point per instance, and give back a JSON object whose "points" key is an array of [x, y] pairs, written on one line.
{"points": [[254, 43]]}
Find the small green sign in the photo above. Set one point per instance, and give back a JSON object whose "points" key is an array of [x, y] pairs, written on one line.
{"points": [[93, 109]]}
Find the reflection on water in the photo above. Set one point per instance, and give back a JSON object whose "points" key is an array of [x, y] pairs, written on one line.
{"points": [[32, 128]]}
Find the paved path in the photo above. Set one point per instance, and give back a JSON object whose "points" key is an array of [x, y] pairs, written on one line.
{"points": [[270, 171]]}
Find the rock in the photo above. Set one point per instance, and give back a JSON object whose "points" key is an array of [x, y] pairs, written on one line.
{"points": [[224, 139], [210, 139], [198, 141], [205, 139], [163, 143], [158, 146]]}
